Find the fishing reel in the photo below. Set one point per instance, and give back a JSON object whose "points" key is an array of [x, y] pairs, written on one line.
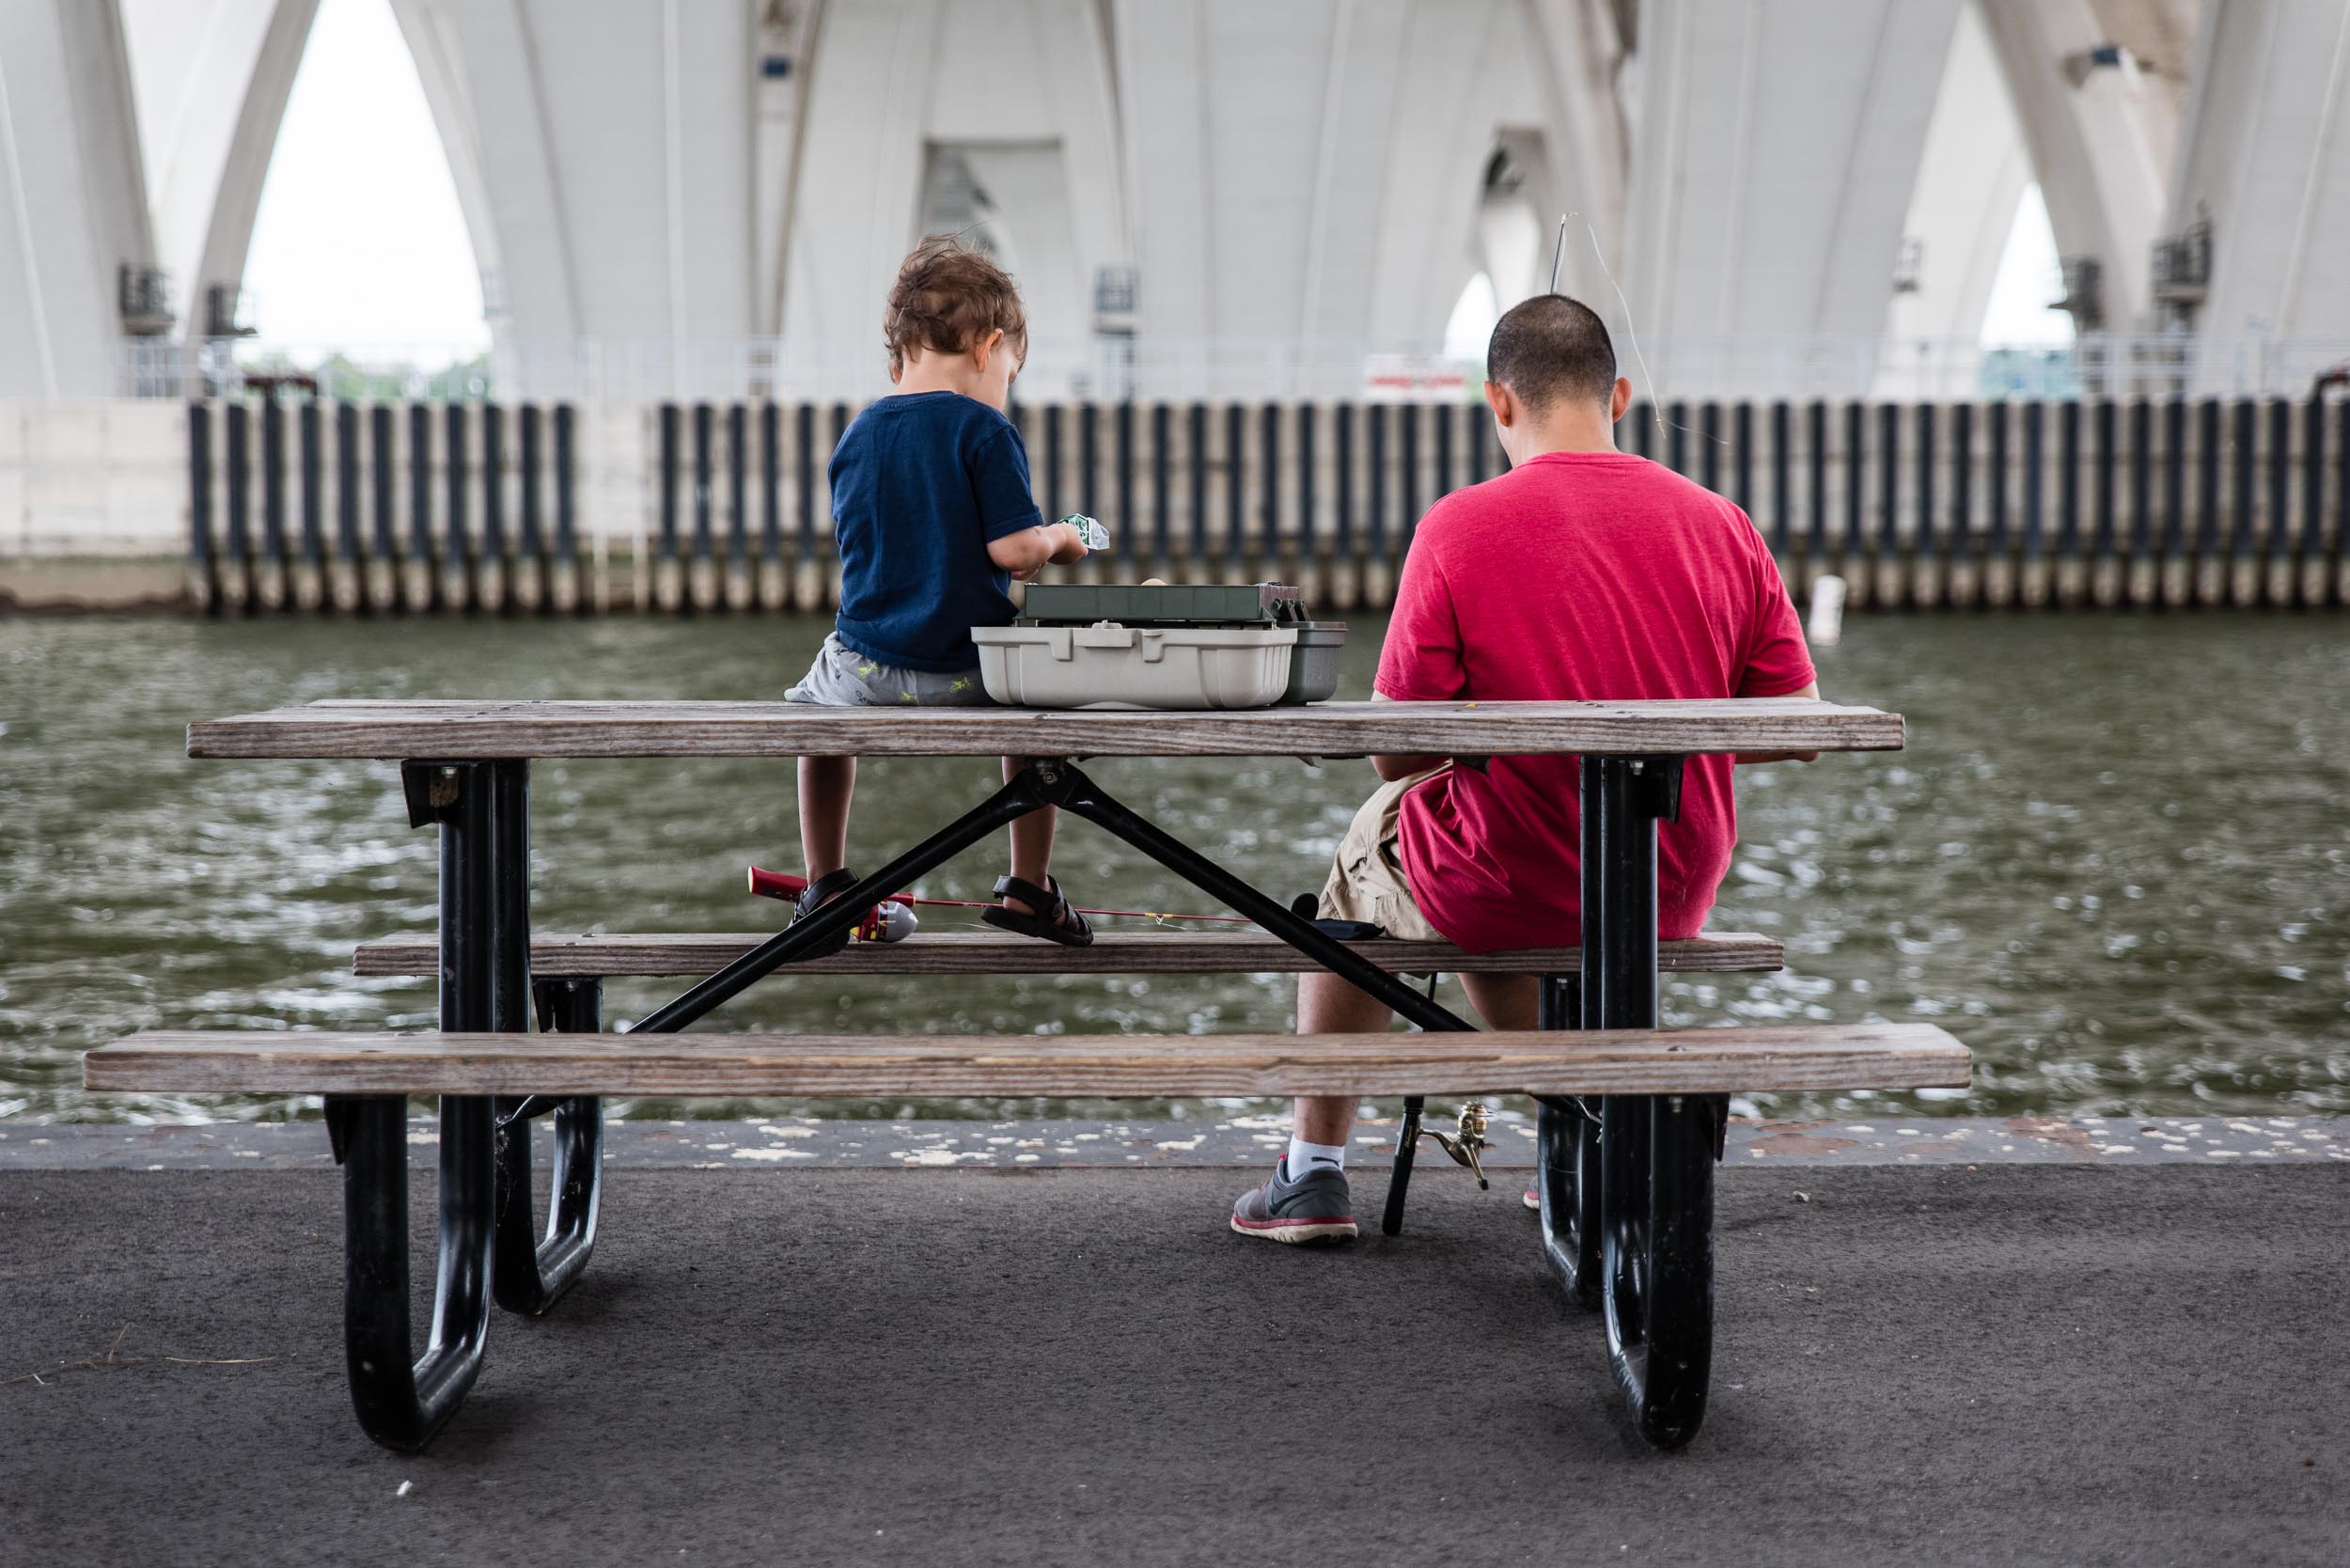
{"points": [[1467, 1142], [886, 921]]}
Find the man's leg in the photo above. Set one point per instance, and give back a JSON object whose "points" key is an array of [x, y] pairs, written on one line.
{"points": [[1308, 1200], [1328, 1005], [1505, 1001]]}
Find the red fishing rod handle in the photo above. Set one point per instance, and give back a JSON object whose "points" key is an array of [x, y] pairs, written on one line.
{"points": [[783, 885]]}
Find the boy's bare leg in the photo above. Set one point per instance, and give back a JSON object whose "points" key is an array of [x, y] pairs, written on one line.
{"points": [[826, 786], [1031, 842]]}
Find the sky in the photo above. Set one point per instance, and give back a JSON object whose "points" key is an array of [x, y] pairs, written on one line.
{"points": [[2028, 277], [360, 244]]}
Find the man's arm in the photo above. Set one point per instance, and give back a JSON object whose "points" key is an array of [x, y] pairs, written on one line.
{"points": [[1389, 769], [1810, 693]]}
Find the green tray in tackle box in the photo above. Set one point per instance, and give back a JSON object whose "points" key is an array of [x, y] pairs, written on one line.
{"points": [[1163, 604]]}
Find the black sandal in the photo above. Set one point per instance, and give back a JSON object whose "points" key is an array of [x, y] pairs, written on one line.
{"points": [[814, 897], [1055, 922]]}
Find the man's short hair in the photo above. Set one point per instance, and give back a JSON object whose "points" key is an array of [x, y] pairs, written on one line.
{"points": [[1551, 348]]}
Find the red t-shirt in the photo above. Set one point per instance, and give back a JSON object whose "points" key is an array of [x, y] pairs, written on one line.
{"points": [[1595, 575]]}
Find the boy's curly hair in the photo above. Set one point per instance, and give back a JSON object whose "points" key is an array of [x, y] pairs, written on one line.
{"points": [[947, 299]]}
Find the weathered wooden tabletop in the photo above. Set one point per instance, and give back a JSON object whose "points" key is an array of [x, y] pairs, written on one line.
{"points": [[452, 730]]}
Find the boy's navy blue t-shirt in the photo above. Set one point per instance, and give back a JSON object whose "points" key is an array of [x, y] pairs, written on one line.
{"points": [[921, 483]]}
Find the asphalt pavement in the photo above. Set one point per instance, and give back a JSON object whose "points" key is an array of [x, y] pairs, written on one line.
{"points": [[1930, 1364]]}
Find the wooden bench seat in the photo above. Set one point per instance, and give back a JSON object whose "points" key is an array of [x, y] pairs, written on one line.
{"points": [[1612, 1061], [1152, 952]]}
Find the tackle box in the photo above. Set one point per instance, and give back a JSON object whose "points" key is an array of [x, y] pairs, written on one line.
{"points": [[1107, 666], [1163, 604], [1159, 645]]}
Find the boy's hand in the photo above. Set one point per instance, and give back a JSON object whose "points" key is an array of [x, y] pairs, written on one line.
{"points": [[1069, 545]]}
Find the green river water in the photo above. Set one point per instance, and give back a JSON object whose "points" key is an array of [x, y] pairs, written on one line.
{"points": [[2115, 859]]}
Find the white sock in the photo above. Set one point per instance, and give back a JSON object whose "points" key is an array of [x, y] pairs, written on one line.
{"points": [[1307, 1156]]}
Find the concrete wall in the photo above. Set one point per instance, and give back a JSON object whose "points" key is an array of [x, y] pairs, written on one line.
{"points": [[96, 476]]}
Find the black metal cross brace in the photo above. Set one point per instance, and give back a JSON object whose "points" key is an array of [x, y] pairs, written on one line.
{"points": [[1044, 783]]}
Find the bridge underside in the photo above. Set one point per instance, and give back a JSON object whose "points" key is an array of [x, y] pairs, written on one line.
{"points": [[1207, 197]]}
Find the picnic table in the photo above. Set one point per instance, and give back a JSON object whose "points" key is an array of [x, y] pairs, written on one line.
{"points": [[1630, 1121]]}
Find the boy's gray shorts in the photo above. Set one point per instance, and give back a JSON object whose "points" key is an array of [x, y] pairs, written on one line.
{"points": [[843, 678]]}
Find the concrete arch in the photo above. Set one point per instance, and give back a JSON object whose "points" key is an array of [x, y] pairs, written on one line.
{"points": [[1434, 234], [526, 286], [1024, 92], [1972, 174], [2099, 134], [601, 150], [212, 77], [1774, 159]]}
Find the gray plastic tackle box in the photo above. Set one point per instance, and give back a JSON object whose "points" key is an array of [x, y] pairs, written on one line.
{"points": [[1163, 646]]}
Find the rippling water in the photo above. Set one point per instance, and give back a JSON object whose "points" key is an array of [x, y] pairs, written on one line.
{"points": [[2115, 860]]}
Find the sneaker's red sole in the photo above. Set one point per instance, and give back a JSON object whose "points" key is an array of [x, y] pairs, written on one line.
{"points": [[1297, 1232]]}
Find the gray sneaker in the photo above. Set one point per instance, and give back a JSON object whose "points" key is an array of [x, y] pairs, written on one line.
{"points": [[1316, 1209]]}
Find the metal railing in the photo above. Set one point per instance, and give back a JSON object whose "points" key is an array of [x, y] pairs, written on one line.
{"points": [[1114, 368]]}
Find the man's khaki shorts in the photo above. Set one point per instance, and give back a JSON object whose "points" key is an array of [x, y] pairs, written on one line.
{"points": [[1366, 881]]}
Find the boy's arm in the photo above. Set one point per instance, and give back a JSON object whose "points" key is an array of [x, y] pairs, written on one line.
{"points": [[1000, 478], [1024, 552]]}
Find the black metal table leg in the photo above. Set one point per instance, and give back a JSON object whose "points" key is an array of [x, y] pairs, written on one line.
{"points": [[1656, 1152], [400, 1403], [534, 1271], [483, 811], [1566, 1179]]}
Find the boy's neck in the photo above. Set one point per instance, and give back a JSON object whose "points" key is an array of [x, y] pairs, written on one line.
{"points": [[937, 373]]}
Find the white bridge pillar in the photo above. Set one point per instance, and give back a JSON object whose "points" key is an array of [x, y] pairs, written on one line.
{"points": [[2267, 158], [1774, 157], [73, 199]]}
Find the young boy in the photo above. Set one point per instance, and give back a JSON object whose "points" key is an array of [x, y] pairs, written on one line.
{"points": [[933, 517], [1583, 573]]}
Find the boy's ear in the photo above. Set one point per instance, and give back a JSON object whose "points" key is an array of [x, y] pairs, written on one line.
{"points": [[986, 348], [1504, 406], [1619, 399]]}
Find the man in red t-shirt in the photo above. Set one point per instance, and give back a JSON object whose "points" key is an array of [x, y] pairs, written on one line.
{"points": [[1583, 573]]}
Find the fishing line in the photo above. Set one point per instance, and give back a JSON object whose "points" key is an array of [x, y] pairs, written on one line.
{"points": [[1631, 332]]}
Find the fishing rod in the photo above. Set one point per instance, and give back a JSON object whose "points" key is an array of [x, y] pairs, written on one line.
{"points": [[892, 920]]}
